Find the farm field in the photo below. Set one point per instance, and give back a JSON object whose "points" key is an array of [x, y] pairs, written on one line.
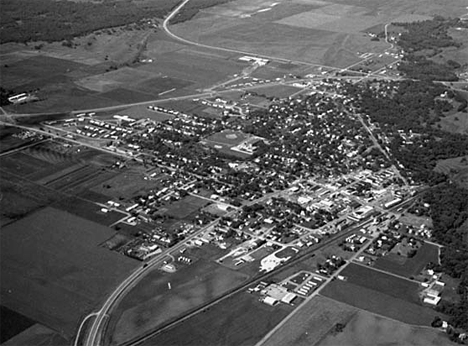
{"points": [[151, 303], [37, 334], [53, 271], [246, 323], [380, 303], [312, 322], [88, 210], [110, 69], [366, 329], [9, 139], [126, 185], [280, 91], [12, 323], [321, 32], [21, 197], [411, 266], [381, 282]]}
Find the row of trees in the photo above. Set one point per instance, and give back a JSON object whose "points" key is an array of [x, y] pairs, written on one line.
{"points": [[4, 94], [449, 212]]}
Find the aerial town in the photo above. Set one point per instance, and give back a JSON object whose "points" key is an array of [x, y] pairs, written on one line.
{"points": [[199, 189]]}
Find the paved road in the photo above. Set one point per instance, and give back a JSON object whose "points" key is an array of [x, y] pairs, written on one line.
{"points": [[315, 293], [236, 51], [94, 336]]}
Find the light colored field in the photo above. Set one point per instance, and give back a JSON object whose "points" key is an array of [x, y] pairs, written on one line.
{"points": [[321, 32], [142, 112], [456, 168], [311, 323], [113, 79], [367, 329], [309, 20], [455, 123], [281, 91], [241, 8]]}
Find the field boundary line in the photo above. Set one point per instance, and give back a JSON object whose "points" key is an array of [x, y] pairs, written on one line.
{"points": [[379, 315]]}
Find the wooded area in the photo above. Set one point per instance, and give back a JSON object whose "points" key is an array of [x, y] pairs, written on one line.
{"points": [[48, 20], [424, 40]]}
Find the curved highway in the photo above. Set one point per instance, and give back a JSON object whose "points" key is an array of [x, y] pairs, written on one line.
{"points": [[230, 50]]}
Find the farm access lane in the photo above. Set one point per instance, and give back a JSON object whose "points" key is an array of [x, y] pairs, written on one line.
{"points": [[317, 291]]}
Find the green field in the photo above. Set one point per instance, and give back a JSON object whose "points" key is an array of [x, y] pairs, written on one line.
{"points": [[186, 206], [228, 137], [321, 32], [129, 183], [366, 329], [281, 91], [381, 282], [238, 320], [311, 323], [380, 303], [150, 303], [53, 270], [21, 197], [410, 266]]}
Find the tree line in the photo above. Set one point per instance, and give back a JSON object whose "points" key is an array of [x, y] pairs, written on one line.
{"points": [[49, 20]]}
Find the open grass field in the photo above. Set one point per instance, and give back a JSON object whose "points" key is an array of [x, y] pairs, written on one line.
{"points": [[380, 303], [312, 322], [410, 267], [53, 270], [88, 210], [151, 303], [199, 69], [385, 283], [21, 197], [9, 141], [142, 112], [22, 164], [126, 185], [366, 329], [186, 206], [456, 168], [225, 140], [246, 322], [455, 123], [281, 91], [228, 137], [37, 69], [321, 32]]}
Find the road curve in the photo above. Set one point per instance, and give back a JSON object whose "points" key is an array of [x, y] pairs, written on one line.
{"points": [[229, 50]]}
